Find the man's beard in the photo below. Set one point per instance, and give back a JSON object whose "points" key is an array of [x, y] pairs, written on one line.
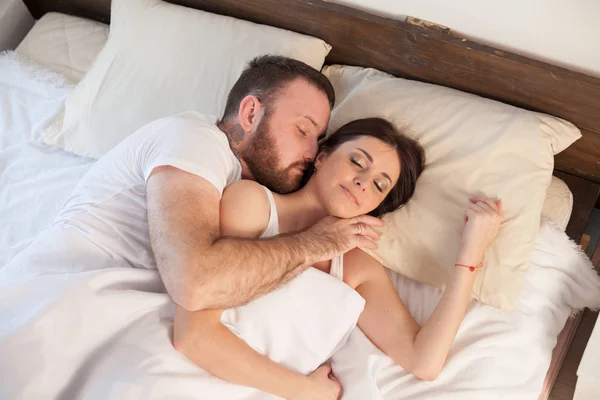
{"points": [[263, 160]]}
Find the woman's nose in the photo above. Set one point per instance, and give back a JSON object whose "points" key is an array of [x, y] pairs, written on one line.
{"points": [[359, 184]]}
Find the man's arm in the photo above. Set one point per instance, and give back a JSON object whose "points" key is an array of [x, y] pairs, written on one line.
{"points": [[202, 338], [202, 271]]}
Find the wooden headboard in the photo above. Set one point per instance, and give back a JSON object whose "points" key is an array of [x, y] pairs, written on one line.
{"points": [[407, 50]]}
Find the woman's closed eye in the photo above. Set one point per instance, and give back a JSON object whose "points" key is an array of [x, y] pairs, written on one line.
{"points": [[381, 184], [378, 186], [356, 162]]}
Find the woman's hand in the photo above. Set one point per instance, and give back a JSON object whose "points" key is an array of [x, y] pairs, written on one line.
{"points": [[323, 385], [482, 222]]}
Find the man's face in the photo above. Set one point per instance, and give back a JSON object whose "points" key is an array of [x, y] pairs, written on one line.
{"points": [[284, 143]]}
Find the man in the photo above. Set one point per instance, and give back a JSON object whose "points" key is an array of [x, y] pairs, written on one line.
{"points": [[275, 114]]}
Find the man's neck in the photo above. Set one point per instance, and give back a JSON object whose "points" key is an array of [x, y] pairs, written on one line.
{"points": [[235, 136]]}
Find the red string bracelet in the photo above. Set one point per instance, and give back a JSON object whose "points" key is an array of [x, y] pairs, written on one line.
{"points": [[471, 267]]}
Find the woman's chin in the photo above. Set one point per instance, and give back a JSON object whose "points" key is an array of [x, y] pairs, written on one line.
{"points": [[343, 212], [340, 211]]}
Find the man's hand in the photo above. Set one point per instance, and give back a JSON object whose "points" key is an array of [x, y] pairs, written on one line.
{"points": [[323, 386], [335, 236]]}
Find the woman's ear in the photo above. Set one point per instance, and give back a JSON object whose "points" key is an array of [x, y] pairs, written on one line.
{"points": [[249, 113], [320, 157]]}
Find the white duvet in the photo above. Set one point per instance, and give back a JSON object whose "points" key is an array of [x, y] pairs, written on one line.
{"points": [[35, 180], [99, 331]]}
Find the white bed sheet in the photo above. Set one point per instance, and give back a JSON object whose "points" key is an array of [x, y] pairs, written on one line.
{"points": [[35, 182]]}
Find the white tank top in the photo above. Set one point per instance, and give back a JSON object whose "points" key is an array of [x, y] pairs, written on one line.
{"points": [[272, 229]]}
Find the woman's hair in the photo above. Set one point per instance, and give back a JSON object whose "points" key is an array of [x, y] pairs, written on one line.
{"points": [[410, 152]]}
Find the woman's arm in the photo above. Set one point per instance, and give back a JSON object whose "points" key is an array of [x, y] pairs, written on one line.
{"points": [[200, 336], [386, 321]]}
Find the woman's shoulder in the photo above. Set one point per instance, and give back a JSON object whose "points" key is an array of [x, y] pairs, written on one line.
{"points": [[245, 187], [244, 209], [360, 267]]}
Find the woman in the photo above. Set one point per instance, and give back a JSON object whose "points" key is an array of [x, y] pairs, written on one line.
{"points": [[366, 167]]}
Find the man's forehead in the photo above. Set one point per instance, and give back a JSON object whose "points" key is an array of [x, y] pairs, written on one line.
{"points": [[298, 99]]}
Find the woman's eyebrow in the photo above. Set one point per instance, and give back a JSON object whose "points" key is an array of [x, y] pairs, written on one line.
{"points": [[385, 175], [366, 154]]}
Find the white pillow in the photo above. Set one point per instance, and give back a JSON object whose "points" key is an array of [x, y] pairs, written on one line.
{"points": [[162, 59], [474, 146], [301, 324]]}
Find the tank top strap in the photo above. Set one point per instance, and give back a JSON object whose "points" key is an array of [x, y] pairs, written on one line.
{"points": [[272, 228], [337, 267]]}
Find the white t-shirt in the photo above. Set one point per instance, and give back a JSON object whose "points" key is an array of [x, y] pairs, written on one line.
{"points": [[108, 206]]}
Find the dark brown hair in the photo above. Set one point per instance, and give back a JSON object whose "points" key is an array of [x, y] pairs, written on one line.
{"points": [[410, 152], [266, 75]]}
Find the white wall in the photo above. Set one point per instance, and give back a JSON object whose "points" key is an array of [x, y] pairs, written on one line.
{"points": [[562, 32]]}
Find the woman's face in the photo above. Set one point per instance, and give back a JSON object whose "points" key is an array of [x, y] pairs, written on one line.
{"points": [[356, 177]]}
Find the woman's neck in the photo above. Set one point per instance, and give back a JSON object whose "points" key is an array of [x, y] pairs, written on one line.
{"points": [[299, 210]]}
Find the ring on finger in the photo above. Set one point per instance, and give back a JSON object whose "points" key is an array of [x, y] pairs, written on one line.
{"points": [[359, 229]]}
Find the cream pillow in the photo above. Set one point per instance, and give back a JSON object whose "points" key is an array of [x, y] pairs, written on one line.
{"points": [[474, 146], [161, 59], [558, 203]]}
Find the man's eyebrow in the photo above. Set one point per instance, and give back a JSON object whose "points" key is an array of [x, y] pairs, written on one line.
{"points": [[312, 120], [385, 175]]}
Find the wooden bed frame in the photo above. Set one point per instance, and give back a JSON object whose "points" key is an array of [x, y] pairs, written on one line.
{"points": [[423, 52]]}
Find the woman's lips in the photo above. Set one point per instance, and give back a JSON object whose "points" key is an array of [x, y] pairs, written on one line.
{"points": [[350, 195]]}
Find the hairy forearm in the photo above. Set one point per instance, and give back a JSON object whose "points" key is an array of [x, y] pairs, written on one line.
{"points": [[211, 346], [433, 342], [235, 271]]}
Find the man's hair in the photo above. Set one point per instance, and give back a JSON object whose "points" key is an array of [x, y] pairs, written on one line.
{"points": [[266, 75], [410, 152]]}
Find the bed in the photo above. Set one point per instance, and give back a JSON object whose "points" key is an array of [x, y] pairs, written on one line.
{"points": [[398, 47]]}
